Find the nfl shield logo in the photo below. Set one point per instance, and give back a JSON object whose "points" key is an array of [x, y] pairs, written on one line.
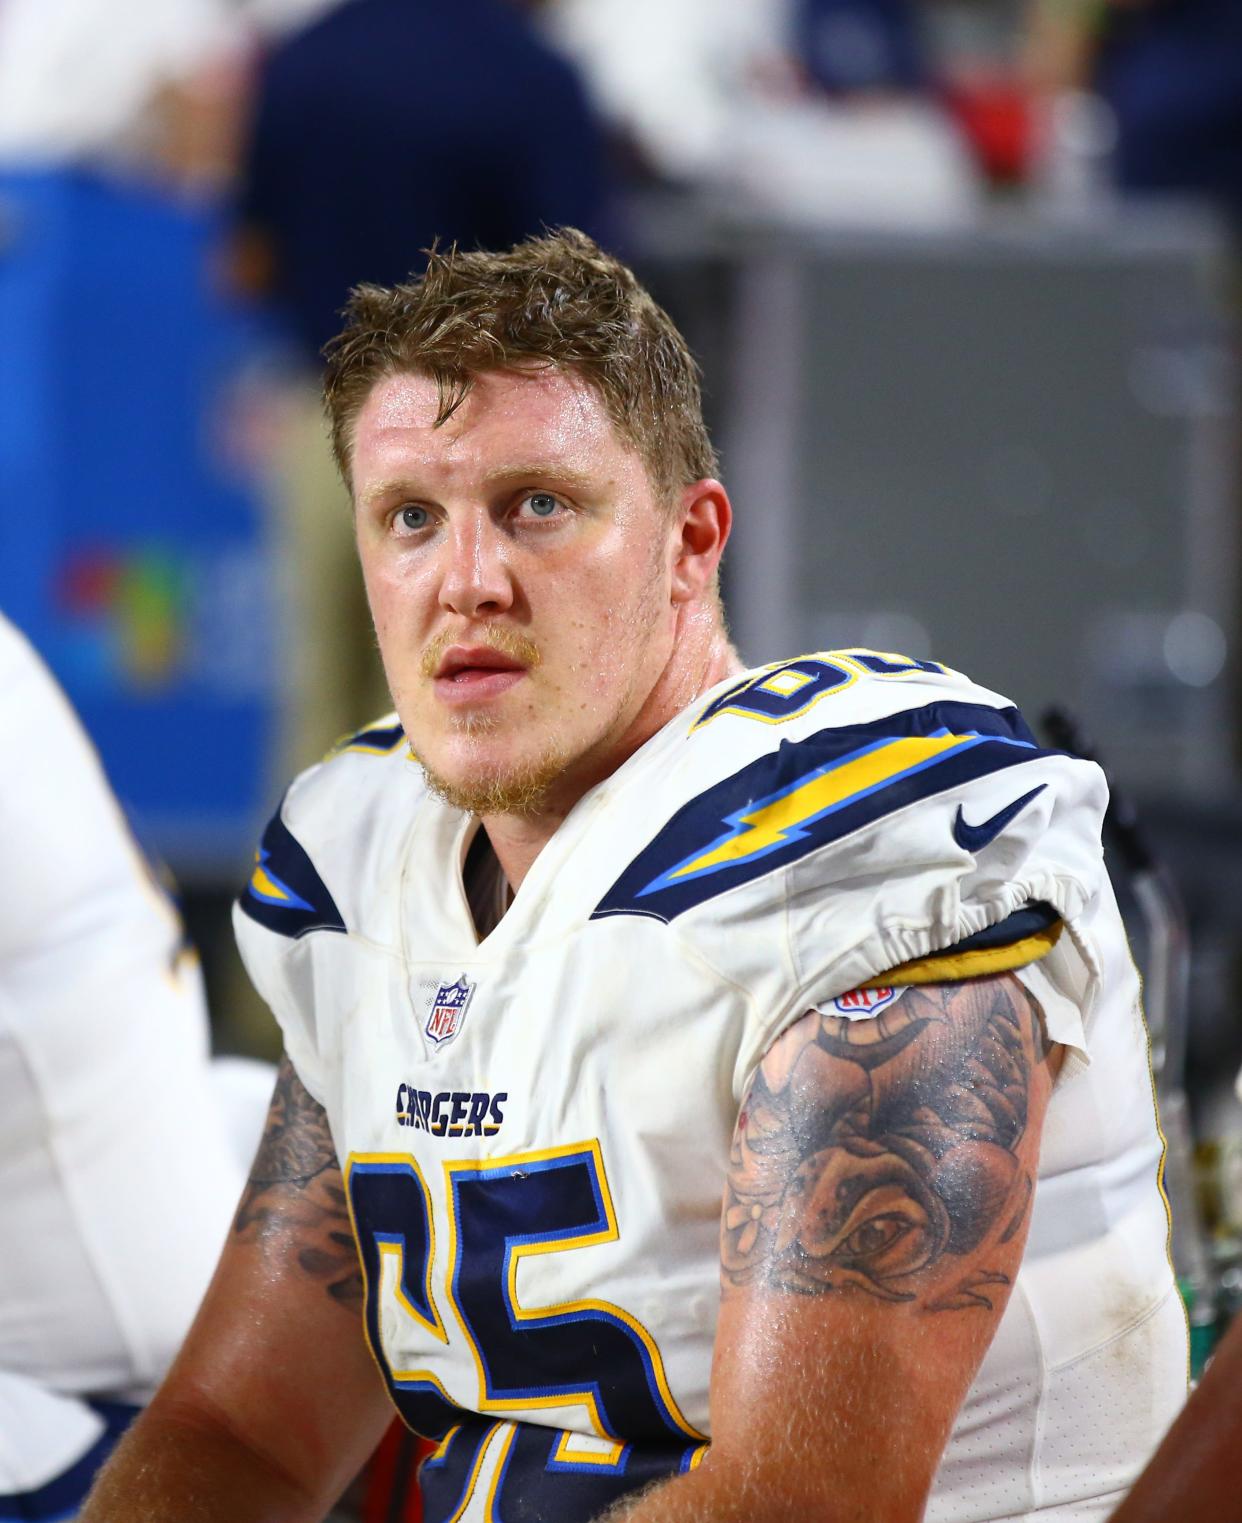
{"points": [[860, 1002], [448, 1010]]}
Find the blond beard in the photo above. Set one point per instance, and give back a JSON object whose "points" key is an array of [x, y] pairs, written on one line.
{"points": [[522, 791]]}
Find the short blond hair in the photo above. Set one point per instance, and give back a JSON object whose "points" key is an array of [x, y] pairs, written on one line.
{"points": [[556, 300]]}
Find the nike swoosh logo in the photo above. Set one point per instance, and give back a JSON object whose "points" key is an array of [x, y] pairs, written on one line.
{"points": [[974, 838]]}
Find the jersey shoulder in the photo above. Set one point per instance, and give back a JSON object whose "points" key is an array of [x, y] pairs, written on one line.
{"points": [[848, 817], [861, 684], [335, 837], [788, 760]]}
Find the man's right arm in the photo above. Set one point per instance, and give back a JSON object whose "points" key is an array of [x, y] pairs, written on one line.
{"points": [[274, 1402], [1194, 1474]]}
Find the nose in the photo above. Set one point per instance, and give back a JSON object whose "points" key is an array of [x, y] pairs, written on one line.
{"points": [[476, 579]]}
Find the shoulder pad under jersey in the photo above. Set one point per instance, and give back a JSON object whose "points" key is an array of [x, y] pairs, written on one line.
{"points": [[840, 814], [329, 837]]}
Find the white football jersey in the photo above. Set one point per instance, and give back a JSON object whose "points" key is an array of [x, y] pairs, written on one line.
{"points": [[535, 1126]]}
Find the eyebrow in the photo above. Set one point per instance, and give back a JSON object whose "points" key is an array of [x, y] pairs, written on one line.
{"points": [[393, 487], [533, 470], [548, 470]]}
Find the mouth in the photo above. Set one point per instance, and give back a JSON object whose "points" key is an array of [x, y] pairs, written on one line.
{"points": [[473, 672]]}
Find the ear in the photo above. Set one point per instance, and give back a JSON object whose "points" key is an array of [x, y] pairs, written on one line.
{"points": [[704, 519]]}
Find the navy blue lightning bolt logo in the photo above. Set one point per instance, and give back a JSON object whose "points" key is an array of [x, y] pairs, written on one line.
{"points": [[807, 793], [285, 893]]}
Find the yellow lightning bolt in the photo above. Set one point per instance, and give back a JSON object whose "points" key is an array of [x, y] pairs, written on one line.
{"points": [[264, 885], [768, 824]]}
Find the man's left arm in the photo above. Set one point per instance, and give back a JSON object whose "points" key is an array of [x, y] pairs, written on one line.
{"points": [[875, 1213]]}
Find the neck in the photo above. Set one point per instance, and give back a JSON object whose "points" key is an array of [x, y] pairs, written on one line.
{"points": [[703, 658]]}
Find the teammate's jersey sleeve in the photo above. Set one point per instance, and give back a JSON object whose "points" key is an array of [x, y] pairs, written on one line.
{"points": [[42, 1433], [864, 814], [117, 1178]]}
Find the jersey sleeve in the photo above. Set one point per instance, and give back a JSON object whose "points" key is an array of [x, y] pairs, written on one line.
{"points": [[895, 829], [311, 889], [997, 871], [282, 904], [904, 899]]}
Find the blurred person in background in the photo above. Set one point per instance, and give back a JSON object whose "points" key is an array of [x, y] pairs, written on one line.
{"points": [[1148, 91], [147, 91], [852, 46], [811, 110], [378, 129], [154, 91], [123, 1148], [349, 170], [669, 75]]}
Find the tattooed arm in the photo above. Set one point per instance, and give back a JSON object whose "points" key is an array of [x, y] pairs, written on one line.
{"points": [[274, 1402], [875, 1213]]}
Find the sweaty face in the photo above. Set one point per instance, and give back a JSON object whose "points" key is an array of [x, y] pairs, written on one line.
{"points": [[516, 562]]}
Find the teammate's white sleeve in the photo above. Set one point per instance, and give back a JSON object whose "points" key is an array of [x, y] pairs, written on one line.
{"points": [[117, 1176], [41, 1432]]}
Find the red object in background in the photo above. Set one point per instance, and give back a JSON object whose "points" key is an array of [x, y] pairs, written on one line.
{"points": [[391, 1494], [87, 582], [997, 119]]}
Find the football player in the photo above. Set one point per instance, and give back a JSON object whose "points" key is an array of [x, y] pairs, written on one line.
{"points": [[709, 1093]]}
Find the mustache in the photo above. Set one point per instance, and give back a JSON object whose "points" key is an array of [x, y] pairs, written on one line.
{"points": [[507, 641]]}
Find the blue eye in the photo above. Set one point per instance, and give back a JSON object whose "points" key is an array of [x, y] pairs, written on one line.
{"points": [[414, 518], [542, 504]]}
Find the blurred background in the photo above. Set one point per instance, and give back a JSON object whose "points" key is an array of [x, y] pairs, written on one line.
{"points": [[964, 279]]}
